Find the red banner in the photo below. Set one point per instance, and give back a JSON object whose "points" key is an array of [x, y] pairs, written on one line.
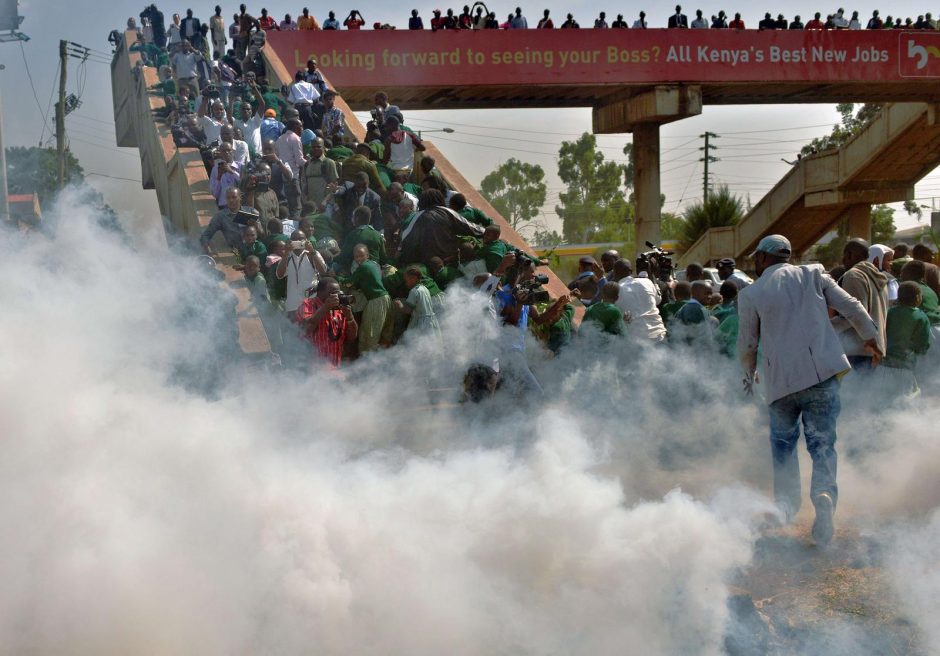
{"points": [[352, 59]]}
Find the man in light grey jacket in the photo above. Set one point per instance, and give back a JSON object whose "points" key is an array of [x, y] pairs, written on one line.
{"points": [[786, 311]]}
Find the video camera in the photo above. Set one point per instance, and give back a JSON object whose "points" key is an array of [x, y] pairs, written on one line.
{"points": [[531, 291], [658, 262]]}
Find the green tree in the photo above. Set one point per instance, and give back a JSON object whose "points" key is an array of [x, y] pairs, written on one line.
{"points": [[545, 238], [593, 209], [517, 191], [882, 232], [852, 123], [721, 209], [35, 170]]}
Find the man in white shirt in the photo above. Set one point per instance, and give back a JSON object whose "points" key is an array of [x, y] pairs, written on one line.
{"points": [[240, 153], [640, 23], [290, 150], [302, 95], [250, 121], [212, 124], [839, 20], [786, 312], [186, 67], [302, 268], [699, 23], [639, 299]]}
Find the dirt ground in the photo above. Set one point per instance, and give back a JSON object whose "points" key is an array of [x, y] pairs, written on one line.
{"points": [[800, 599]]}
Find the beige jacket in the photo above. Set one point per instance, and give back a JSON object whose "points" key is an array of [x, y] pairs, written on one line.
{"points": [[870, 287]]}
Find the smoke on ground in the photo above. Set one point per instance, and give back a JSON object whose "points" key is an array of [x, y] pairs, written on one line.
{"points": [[151, 500]]}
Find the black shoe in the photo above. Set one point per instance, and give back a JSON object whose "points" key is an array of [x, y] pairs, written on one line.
{"points": [[822, 527]]}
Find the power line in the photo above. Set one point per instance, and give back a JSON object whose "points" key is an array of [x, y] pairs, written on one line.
{"points": [[89, 118], [111, 148], [113, 177], [29, 75]]}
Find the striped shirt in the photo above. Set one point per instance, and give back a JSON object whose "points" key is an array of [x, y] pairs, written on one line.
{"points": [[329, 335]]}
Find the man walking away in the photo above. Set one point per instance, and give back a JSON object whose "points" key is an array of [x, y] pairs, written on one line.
{"points": [[870, 286], [786, 311]]}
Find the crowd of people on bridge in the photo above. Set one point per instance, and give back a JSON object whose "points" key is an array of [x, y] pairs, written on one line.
{"points": [[351, 242], [217, 34]]}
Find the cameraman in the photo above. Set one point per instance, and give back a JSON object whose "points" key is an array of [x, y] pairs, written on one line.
{"points": [[657, 267], [328, 324], [513, 305]]}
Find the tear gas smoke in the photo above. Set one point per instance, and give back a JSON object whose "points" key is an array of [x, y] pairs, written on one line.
{"points": [[284, 512]]}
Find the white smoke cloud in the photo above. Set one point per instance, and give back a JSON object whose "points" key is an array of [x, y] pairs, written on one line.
{"points": [[276, 512]]}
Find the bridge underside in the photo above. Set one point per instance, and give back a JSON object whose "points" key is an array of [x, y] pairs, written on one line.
{"points": [[515, 96]]}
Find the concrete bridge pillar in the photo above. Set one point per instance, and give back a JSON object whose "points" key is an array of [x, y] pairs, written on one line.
{"points": [[646, 184], [858, 221], [642, 113]]}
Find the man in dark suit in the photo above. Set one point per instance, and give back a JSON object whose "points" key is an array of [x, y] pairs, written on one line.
{"points": [[768, 23], [678, 20]]}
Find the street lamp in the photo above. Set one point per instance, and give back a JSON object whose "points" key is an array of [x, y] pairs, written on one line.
{"points": [[447, 130]]}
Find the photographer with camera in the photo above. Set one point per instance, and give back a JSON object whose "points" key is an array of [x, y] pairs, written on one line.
{"points": [[328, 321], [514, 302], [656, 264], [225, 173], [302, 268]]}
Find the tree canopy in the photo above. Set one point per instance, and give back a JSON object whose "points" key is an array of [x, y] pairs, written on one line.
{"points": [[721, 209], [516, 190], [594, 207], [34, 170]]}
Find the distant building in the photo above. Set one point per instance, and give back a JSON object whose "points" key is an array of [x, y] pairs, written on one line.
{"points": [[24, 210]]}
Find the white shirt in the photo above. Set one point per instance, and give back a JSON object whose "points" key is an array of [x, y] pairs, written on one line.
{"points": [[251, 130], [640, 297], [638, 24], [402, 155], [854, 24], [303, 92], [185, 64], [699, 24], [290, 150], [301, 275], [212, 128], [840, 21], [173, 35], [241, 154]]}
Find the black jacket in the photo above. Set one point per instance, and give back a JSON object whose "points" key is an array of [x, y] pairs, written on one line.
{"points": [[678, 20], [435, 232]]}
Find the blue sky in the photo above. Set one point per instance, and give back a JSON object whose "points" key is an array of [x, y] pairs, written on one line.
{"points": [[753, 139]]}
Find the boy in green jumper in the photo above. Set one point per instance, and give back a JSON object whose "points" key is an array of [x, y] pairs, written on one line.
{"points": [[493, 249], [376, 324], [606, 314], [908, 336], [683, 294], [443, 274]]}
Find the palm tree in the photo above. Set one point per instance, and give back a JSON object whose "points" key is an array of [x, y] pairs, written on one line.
{"points": [[719, 210]]}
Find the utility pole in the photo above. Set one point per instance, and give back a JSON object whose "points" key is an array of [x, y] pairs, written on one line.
{"points": [[707, 159], [60, 112], [4, 199]]}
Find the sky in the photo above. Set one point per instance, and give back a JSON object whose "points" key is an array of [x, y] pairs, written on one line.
{"points": [[752, 139]]}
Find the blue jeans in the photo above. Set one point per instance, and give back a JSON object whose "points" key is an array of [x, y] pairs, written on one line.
{"points": [[818, 407]]}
